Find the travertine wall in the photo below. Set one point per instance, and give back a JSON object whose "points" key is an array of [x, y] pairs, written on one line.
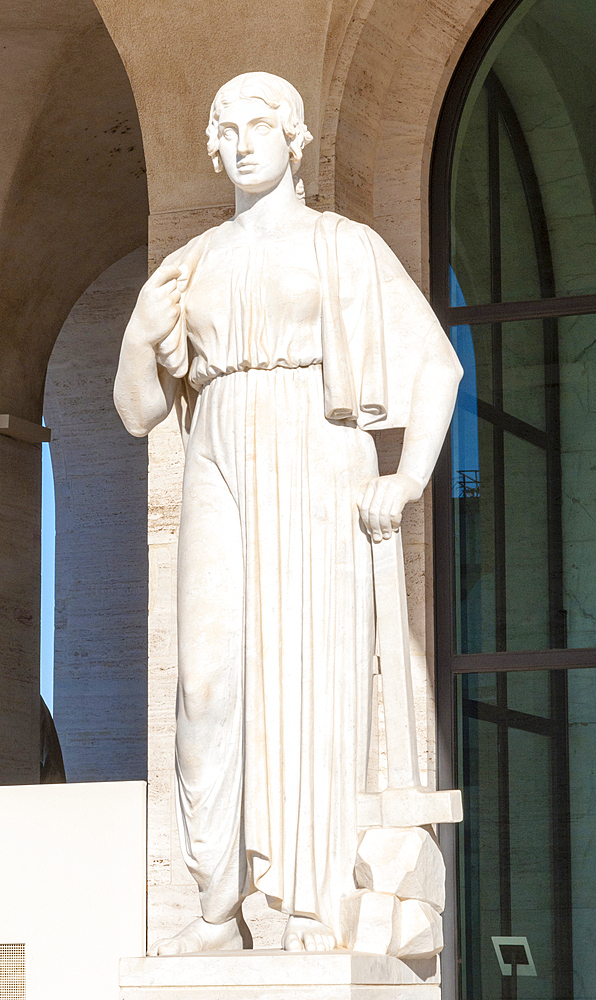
{"points": [[100, 477]]}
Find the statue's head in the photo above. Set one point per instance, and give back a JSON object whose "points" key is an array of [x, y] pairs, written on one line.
{"points": [[274, 92]]}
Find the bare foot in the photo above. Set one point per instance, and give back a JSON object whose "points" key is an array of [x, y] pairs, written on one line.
{"points": [[307, 934], [233, 935]]}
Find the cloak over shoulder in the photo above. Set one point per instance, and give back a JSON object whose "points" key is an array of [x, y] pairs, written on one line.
{"points": [[377, 327]]}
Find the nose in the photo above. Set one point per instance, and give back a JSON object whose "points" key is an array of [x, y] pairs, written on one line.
{"points": [[245, 144]]}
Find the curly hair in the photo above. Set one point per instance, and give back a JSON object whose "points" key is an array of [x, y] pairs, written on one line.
{"points": [[276, 93]]}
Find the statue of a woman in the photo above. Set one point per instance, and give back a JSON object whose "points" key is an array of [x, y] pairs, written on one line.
{"points": [[290, 332]]}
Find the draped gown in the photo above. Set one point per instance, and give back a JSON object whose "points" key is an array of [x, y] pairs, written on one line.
{"points": [[275, 588], [275, 593]]}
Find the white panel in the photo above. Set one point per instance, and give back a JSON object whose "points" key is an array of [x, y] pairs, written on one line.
{"points": [[73, 883]]}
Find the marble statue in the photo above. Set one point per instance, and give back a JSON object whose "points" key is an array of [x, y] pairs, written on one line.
{"points": [[290, 334]]}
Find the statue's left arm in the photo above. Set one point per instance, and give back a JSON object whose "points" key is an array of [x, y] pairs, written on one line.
{"points": [[434, 392], [423, 374]]}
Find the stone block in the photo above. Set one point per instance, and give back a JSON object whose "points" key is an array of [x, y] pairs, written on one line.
{"points": [[378, 923], [415, 806], [370, 922], [421, 991], [404, 861], [277, 975], [421, 930]]}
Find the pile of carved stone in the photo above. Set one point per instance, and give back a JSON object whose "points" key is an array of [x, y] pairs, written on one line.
{"points": [[400, 894]]}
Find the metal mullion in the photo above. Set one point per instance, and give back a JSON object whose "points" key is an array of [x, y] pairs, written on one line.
{"points": [[486, 712], [532, 659], [499, 540], [515, 426], [504, 822], [472, 879], [554, 486], [507, 312], [494, 200], [561, 837]]}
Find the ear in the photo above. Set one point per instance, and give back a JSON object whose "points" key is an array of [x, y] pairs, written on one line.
{"points": [[295, 147], [217, 164]]}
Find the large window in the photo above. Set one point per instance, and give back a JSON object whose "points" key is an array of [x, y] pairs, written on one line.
{"points": [[514, 280]]}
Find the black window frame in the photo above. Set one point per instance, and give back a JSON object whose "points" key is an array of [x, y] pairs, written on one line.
{"points": [[449, 663]]}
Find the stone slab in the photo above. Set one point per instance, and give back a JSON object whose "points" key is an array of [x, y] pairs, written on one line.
{"points": [[415, 806], [346, 992], [266, 969]]}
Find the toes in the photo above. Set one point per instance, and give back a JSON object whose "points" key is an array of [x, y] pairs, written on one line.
{"points": [[165, 947], [319, 942], [292, 942], [170, 948]]}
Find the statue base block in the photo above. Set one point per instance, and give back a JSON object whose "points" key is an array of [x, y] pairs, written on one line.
{"points": [[277, 975], [413, 806]]}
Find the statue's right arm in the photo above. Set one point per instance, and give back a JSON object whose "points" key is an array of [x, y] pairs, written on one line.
{"points": [[144, 392]]}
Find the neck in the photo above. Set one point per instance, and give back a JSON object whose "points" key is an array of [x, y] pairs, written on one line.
{"points": [[267, 211]]}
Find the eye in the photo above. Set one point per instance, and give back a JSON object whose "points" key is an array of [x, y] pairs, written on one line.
{"points": [[262, 128], [228, 133]]}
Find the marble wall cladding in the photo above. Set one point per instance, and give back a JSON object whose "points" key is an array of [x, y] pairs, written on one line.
{"points": [[100, 476], [20, 496]]}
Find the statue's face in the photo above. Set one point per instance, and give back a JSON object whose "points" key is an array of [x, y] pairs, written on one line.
{"points": [[252, 145]]}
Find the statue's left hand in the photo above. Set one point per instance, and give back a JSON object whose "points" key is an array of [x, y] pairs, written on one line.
{"points": [[381, 502]]}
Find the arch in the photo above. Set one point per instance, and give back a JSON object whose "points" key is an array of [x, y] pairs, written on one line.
{"points": [[394, 88], [100, 478], [72, 200]]}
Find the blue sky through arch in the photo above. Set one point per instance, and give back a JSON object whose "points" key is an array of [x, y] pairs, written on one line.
{"points": [[48, 574]]}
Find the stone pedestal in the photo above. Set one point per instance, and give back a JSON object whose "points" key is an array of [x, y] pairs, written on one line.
{"points": [[276, 975]]}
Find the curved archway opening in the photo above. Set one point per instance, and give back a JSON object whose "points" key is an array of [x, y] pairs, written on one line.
{"points": [[100, 477], [73, 199]]}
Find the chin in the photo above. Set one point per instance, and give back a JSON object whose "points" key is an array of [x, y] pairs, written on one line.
{"points": [[253, 185]]}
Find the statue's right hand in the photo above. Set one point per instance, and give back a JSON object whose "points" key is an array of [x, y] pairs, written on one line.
{"points": [[158, 306]]}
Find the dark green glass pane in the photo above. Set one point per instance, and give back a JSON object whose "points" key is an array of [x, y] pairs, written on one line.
{"points": [[582, 796], [523, 371], [520, 278], [529, 692], [482, 687], [478, 844], [531, 860], [526, 545], [469, 225], [511, 355], [526, 845], [577, 346], [473, 513]]}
